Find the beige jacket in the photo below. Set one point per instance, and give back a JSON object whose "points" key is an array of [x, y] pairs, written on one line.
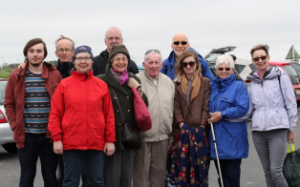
{"points": [[161, 101]]}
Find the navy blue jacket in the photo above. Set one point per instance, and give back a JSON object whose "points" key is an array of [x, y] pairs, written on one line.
{"points": [[229, 96], [169, 66]]}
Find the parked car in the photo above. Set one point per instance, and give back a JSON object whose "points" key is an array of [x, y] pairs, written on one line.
{"points": [[140, 67], [296, 67], [287, 67], [6, 134]]}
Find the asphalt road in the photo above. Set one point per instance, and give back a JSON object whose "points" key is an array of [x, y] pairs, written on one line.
{"points": [[252, 174]]}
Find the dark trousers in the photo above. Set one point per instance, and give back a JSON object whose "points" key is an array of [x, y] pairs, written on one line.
{"points": [[37, 145], [231, 172], [74, 161], [60, 173]]}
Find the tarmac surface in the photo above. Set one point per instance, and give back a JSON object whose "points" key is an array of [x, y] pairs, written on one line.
{"points": [[252, 174]]}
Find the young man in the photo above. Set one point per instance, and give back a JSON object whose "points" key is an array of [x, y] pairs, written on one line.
{"points": [[27, 104]]}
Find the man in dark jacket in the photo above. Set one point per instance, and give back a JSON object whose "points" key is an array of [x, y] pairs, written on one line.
{"points": [[113, 36], [64, 51]]}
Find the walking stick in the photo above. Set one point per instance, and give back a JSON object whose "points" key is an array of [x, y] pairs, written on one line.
{"points": [[217, 155]]}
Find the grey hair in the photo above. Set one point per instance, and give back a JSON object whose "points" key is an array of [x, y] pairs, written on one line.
{"points": [[63, 37], [225, 59], [110, 29], [150, 51]]}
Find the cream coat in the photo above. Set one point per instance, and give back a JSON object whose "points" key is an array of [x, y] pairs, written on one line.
{"points": [[161, 101]]}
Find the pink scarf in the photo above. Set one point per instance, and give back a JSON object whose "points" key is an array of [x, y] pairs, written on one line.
{"points": [[121, 76]]}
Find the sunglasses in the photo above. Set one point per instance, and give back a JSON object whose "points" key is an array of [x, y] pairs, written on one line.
{"points": [[191, 64], [221, 69], [262, 58], [182, 43]]}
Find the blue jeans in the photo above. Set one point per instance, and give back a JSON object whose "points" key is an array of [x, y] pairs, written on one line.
{"points": [[231, 172], [37, 145], [74, 161]]}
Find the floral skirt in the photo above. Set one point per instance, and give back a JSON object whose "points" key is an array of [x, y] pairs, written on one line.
{"points": [[190, 158]]}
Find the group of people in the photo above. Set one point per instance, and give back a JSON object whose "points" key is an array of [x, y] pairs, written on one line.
{"points": [[78, 108]]}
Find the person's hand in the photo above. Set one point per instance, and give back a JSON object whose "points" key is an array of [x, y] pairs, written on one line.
{"points": [[291, 137], [170, 146], [58, 147], [181, 124], [109, 149], [22, 65], [215, 117], [132, 83]]}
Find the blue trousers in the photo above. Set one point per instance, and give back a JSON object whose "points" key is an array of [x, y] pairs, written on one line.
{"points": [[37, 145], [231, 172], [74, 161]]}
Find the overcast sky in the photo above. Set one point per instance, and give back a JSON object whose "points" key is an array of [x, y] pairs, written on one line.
{"points": [[151, 24]]}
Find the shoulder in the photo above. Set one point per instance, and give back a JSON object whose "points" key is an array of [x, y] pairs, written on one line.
{"points": [[205, 80], [102, 77], [166, 79]]}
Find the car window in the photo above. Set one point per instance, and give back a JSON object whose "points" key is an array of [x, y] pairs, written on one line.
{"points": [[2, 91], [296, 68], [212, 57], [239, 68], [292, 74]]}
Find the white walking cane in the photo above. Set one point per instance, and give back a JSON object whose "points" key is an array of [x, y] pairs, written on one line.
{"points": [[217, 155]]}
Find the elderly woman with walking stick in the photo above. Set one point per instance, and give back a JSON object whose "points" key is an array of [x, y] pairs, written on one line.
{"points": [[228, 100]]}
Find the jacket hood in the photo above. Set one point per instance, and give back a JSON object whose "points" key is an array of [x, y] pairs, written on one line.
{"points": [[223, 83], [271, 73]]}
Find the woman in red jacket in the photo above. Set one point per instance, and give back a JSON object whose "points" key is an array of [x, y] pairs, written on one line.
{"points": [[82, 121]]}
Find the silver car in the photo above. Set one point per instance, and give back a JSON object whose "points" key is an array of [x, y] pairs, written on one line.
{"points": [[6, 134]]}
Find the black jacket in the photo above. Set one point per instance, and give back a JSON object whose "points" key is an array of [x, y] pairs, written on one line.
{"points": [[64, 68], [101, 60]]}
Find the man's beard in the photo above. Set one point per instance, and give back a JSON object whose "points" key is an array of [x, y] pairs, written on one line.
{"points": [[35, 64]]}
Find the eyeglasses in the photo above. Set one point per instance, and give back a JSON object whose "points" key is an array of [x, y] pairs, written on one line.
{"points": [[190, 63], [64, 50], [120, 59], [262, 58], [85, 59], [221, 69], [182, 43], [116, 38], [152, 50]]}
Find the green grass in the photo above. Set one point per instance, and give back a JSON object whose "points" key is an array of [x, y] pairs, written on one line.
{"points": [[5, 72]]}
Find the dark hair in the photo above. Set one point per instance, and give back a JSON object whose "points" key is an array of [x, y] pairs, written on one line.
{"points": [[233, 57], [179, 69], [32, 43], [260, 47]]}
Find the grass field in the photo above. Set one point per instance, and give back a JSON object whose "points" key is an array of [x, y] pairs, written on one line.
{"points": [[5, 72]]}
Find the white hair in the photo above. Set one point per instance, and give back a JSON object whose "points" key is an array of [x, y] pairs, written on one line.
{"points": [[224, 59]]}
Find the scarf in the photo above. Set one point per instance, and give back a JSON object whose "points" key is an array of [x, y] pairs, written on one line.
{"points": [[190, 87], [122, 77]]}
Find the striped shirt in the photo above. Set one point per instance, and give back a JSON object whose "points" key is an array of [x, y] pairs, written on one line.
{"points": [[37, 104]]}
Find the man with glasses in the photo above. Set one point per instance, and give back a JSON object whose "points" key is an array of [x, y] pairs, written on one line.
{"points": [[64, 51], [113, 36], [180, 44], [150, 162]]}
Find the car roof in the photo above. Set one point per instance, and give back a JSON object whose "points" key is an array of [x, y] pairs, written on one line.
{"points": [[277, 63]]}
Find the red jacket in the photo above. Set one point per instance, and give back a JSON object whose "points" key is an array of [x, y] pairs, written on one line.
{"points": [[15, 98], [82, 115]]}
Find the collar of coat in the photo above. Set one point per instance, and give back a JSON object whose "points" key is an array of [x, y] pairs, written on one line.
{"points": [[45, 73]]}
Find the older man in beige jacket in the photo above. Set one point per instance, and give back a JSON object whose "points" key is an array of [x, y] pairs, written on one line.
{"points": [[150, 161]]}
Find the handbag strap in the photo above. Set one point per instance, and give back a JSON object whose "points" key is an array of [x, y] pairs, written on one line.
{"points": [[118, 105], [290, 148]]}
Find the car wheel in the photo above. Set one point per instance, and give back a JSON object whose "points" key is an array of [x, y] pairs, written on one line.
{"points": [[10, 147]]}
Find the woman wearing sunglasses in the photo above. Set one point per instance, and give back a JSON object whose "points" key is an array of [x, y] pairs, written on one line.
{"points": [[228, 100], [190, 152], [274, 108]]}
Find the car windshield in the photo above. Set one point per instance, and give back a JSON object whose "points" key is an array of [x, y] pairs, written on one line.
{"points": [[296, 68], [212, 57], [292, 74], [2, 91], [239, 67]]}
